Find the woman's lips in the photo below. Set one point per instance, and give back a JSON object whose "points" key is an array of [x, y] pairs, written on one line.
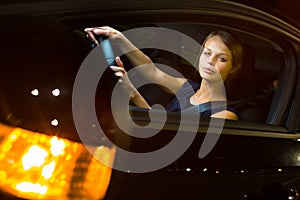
{"points": [[208, 70]]}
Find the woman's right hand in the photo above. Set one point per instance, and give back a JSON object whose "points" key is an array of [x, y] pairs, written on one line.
{"points": [[136, 58], [105, 31]]}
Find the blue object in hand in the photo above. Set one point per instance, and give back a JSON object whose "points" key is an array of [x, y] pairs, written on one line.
{"points": [[107, 50]]}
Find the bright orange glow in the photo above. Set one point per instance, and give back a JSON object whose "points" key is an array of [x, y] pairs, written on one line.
{"points": [[35, 157], [57, 146], [48, 170], [38, 166]]}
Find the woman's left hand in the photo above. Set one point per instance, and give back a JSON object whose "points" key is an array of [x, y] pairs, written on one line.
{"points": [[121, 73], [126, 84]]}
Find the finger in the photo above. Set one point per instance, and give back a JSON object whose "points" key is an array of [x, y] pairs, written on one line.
{"points": [[102, 31], [91, 32], [119, 61], [92, 37], [119, 74], [98, 30], [117, 69], [88, 29]]}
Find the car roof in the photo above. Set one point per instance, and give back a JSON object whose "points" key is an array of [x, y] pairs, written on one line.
{"points": [[70, 8]]}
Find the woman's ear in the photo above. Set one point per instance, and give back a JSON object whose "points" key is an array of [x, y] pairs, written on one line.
{"points": [[234, 69]]}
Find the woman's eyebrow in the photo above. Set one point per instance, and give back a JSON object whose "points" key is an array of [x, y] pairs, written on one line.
{"points": [[219, 53]]}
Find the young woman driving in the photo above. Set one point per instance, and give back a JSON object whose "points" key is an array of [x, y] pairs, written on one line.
{"points": [[220, 58]]}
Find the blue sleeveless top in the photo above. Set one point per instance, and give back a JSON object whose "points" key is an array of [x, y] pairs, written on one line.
{"points": [[181, 102]]}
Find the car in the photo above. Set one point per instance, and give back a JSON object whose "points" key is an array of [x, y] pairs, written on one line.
{"points": [[66, 133]]}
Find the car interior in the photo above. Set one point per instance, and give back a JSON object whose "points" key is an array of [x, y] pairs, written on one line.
{"points": [[251, 92]]}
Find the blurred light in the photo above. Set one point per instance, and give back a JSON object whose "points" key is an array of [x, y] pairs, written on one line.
{"points": [[298, 140], [57, 146], [35, 157], [54, 122], [3, 175], [39, 166], [217, 172], [280, 170], [188, 169], [68, 157], [35, 92], [205, 169], [56, 92], [48, 170], [32, 188]]}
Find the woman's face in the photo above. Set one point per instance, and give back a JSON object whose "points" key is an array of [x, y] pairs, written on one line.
{"points": [[215, 61]]}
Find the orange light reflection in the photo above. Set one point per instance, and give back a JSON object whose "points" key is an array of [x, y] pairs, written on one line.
{"points": [[38, 166]]}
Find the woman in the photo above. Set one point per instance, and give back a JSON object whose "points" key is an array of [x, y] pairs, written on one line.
{"points": [[219, 59]]}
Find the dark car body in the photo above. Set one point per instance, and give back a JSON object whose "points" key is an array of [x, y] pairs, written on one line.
{"points": [[257, 157]]}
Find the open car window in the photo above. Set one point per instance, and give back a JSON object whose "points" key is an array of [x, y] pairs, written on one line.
{"points": [[251, 93], [261, 93]]}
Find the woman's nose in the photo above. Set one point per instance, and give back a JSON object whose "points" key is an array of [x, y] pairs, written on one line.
{"points": [[211, 60]]}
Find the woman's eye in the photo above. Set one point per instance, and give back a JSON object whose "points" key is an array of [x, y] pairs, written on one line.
{"points": [[206, 53], [221, 59]]}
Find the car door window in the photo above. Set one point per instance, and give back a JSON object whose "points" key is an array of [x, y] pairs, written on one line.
{"points": [[253, 90]]}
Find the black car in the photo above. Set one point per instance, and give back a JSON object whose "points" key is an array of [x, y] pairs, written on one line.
{"points": [[60, 138]]}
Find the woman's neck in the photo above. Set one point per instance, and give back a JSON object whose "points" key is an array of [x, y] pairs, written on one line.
{"points": [[209, 91]]}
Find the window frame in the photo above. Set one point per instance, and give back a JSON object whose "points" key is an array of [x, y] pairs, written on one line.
{"points": [[281, 104]]}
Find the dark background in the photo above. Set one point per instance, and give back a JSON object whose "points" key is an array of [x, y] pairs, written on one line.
{"points": [[288, 9]]}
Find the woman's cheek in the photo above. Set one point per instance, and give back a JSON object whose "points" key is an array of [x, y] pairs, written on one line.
{"points": [[224, 70]]}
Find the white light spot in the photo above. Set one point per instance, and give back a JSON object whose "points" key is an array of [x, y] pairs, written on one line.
{"points": [[32, 188], [188, 169], [56, 92], [35, 92], [48, 170], [54, 122], [57, 146], [35, 157]]}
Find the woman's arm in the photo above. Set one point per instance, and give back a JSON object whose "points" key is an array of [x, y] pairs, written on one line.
{"points": [[135, 97], [226, 114], [138, 58]]}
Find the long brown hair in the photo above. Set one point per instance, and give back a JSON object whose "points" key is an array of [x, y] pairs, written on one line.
{"points": [[235, 46], [232, 43]]}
